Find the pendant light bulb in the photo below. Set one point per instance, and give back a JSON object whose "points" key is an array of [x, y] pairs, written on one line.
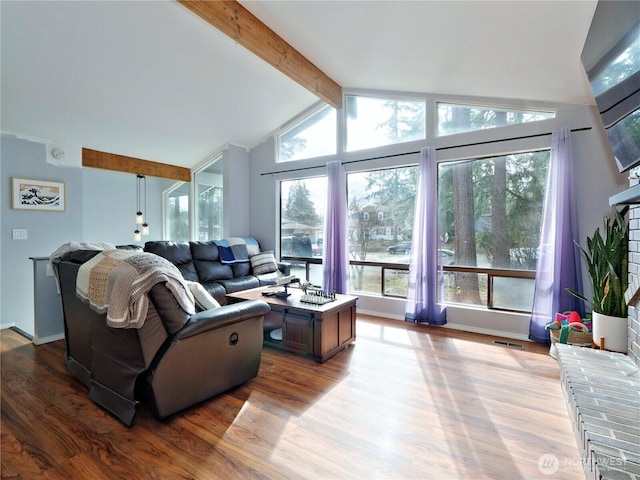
{"points": [[145, 229], [139, 218], [136, 236]]}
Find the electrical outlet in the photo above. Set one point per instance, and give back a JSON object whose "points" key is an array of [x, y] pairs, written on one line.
{"points": [[19, 233]]}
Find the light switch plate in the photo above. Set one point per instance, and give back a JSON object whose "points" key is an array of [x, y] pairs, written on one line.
{"points": [[19, 233]]}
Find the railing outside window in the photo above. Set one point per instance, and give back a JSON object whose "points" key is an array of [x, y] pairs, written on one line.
{"points": [[498, 289]]}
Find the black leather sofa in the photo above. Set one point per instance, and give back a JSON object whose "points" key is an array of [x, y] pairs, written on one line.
{"points": [[174, 361], [200, 262]]}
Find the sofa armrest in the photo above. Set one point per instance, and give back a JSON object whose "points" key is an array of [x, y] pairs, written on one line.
{"points": [[218, 317], [285, 268]]}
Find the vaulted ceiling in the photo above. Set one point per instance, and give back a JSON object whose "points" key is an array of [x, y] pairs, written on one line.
{"points": [[152, 80]]}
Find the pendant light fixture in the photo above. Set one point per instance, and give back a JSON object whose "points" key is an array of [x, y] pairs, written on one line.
{"points": [[141, 183], [145, 225]]}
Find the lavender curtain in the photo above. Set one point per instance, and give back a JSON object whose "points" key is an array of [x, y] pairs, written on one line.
{"points": [[559, 258], [336, 259], [425, 273]]}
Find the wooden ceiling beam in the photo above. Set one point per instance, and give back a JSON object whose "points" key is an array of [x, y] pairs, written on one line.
{"points": [[121, 163], [237, 22]]}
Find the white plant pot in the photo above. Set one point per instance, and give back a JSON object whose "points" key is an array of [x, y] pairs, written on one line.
{"points": [[614, 330]]}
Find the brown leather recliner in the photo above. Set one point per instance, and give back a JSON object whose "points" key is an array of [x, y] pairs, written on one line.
{"points": [[174, 361]]}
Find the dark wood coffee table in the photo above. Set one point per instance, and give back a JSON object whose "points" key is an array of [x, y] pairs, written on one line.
{"points": [[318, 331]]}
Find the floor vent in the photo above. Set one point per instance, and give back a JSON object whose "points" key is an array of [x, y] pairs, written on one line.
{"points": [[502, 343]]}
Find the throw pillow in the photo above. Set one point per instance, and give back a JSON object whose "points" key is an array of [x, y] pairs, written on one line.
{"points": [[263, 262], [204, 300]]}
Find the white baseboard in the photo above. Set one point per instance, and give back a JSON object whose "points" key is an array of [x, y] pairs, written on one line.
{"points": [[378, 314], [486, 331], [456, 326]]}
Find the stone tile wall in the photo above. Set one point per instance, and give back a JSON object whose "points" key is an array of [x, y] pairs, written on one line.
{"points": [[601, 389], [634, 284]]}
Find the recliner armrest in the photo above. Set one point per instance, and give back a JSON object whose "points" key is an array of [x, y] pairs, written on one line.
{"points": [[219, 317]]}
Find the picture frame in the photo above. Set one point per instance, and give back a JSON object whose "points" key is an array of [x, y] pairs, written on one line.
{"points": [[42, 195]]}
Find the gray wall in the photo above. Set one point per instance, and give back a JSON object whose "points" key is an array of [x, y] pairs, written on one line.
{"points": [[100, 207], [236, 192], [263, 195], [110, 206]]}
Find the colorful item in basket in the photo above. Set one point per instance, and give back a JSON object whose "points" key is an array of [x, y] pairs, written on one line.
{"points": [[567, 318]]}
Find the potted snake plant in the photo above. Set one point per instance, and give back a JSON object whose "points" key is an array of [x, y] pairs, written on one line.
{"points": [[607, 260]]}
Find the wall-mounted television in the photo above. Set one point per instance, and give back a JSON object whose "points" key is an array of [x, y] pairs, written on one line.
{"points": [[611, 59]]}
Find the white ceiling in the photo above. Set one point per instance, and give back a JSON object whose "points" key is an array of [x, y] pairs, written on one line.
{"points": [[149, 79]]}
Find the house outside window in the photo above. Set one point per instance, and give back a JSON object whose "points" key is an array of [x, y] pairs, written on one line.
{"points": [[380, 212]]}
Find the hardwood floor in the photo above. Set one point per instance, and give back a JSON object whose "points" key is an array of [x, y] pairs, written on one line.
{"points": [[403, 401]]}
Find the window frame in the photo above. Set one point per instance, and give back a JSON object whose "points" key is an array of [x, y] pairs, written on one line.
{"points": [[299, 122], [490, 272], [165, 197], [497, 141], [218, 158], [493, 106], [292, 258], [399, 97]]}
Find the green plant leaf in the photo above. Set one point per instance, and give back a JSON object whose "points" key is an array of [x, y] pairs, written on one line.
{"points": [[607, 262]]}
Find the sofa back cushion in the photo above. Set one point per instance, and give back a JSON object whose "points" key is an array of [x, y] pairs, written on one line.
{"points": [[178, 253], [241, 269], [207, 262]]}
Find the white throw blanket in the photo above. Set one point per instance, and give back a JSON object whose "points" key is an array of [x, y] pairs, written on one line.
{"points": [[117, 282], [72, 247]]}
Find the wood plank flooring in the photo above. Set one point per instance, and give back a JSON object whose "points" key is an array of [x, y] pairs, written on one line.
{"points": [[403, 402]]}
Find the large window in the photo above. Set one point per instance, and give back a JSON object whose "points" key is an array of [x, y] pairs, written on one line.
{"points": [[375, 122], [490, 219], [490, 213], [208, 185], [380, 210], [490, 209], [302, 210], [313, 136], [176, 213], [457, 118]]}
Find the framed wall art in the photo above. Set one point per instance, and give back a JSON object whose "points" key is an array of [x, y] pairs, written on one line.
{"points": [[43, 195]]}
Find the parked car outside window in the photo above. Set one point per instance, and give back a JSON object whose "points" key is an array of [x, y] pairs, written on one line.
{"points": [[447, 257], [402, 247], [297, 245]]}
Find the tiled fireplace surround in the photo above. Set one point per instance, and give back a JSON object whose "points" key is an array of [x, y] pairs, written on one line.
{"points": [[634, 283], [602, 389]]}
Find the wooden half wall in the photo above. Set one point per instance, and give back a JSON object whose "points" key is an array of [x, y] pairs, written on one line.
{"points": [[121, 163]]}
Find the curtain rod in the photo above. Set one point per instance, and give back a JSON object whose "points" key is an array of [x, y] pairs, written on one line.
{"points": [[486, 142]]}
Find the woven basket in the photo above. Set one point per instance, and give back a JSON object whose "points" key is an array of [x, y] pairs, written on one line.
{"points": [[583, 338]]}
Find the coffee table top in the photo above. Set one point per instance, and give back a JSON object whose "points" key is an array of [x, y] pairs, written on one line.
{"points": [[293, 300]]}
